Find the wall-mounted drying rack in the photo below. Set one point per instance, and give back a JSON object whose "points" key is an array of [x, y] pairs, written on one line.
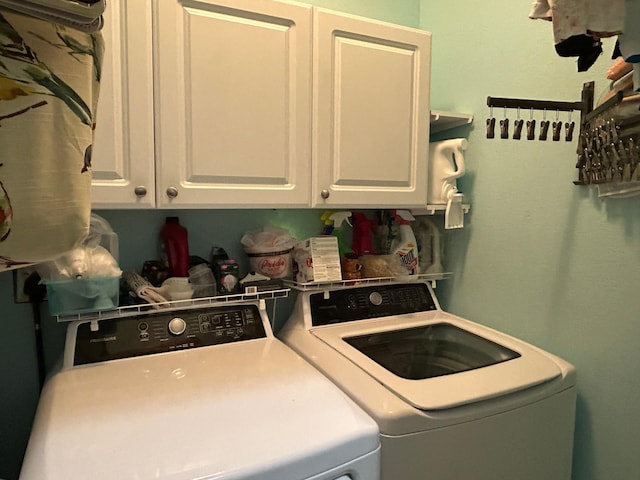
{"points": [[608, 143], [584, 106], [609, 147]]}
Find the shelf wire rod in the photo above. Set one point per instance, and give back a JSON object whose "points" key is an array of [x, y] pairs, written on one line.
{"points": [[533, 104]]}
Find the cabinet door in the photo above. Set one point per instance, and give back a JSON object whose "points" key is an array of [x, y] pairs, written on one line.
{"points": [[233, 103], [371, 112], [123, 157]]}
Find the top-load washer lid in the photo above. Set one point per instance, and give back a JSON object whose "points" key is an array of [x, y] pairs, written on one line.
{"points": [[429, 351], [431, 359], [235, 410]]}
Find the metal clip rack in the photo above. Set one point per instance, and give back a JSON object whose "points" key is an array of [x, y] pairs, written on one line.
{"points": [[609, 135], [609, 146], [584, 106]]}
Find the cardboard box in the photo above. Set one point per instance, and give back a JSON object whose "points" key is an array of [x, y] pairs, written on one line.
{"points": [[317, 259]]}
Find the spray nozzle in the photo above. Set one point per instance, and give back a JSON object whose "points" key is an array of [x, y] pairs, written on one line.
{"points": [[339, 217], [326, 217], [403, 216]]}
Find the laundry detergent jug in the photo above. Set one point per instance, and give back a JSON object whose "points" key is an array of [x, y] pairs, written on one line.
{"points": [[446, 164]]}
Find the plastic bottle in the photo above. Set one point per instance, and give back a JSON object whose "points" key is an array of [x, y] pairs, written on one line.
{"points": [[405, 243], [338, 218], [328, 222], [174, 241], [446, 164], [363, 228], [429, 247]]}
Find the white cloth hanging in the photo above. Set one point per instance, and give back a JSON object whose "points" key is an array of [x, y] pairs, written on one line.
{"points": [[581, 17], [49, 81], [85, 16]]}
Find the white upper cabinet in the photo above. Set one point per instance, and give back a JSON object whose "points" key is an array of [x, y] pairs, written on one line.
{"points": [[371, 112], [233, 103], [122, 153], [259, 104]]}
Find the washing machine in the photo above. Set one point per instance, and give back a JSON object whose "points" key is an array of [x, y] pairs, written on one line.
{"points": [[199, 393], [453, 399]]}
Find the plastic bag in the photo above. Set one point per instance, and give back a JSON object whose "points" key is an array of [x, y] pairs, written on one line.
{"points": [[269, 239], [89, 260]]}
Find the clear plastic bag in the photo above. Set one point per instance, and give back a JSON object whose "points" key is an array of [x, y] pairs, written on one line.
{"points": [[96, 257]]}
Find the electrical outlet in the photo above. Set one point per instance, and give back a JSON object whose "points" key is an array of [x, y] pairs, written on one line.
{"points": [[20, 276]]}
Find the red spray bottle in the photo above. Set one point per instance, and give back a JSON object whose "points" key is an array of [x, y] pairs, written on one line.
{"points": [[363, 227]]}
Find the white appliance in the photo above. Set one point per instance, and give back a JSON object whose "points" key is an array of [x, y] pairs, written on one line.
{"points": [[201, 393], [454, 400]]}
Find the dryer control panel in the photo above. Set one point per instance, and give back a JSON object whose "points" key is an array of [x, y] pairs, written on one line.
{"points": [[167, 331], [360, 303]]}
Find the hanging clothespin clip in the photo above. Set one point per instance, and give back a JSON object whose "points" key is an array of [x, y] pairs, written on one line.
{"points": [[557, 126], [544, 126], [568, 129], [531, 127], [491, 124], [517, 127], [504, 126]]}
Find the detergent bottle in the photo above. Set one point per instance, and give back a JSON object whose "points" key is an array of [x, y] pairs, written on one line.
{"points": [[405, 243], [446, 164], [429, 246]]}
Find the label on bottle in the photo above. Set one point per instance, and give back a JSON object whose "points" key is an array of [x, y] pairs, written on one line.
{"points": [[408, 258]]}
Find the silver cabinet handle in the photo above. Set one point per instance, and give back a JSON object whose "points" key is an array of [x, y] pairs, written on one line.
{"points": [[140, 191], [324, 193], [172, 192]]}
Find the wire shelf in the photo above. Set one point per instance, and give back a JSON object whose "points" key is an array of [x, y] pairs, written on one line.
{"points": [[134, 310], [366, 281]]}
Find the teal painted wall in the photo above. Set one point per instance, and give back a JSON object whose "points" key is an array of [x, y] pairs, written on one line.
{"points": [[138, 232], [540, 258], [402, 12]]}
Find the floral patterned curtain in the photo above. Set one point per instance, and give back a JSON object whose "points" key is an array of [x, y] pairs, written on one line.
{"points": [[49, 83]]}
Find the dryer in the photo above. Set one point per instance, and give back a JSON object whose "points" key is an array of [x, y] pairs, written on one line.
{"points": [[453, 399], [199, 393]]}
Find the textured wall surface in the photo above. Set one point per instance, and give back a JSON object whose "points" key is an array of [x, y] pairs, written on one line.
{"points": [[540, 258]]}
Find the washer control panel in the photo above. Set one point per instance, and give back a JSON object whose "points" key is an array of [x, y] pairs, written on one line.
{"points": [[351, 304], [159, 332]]}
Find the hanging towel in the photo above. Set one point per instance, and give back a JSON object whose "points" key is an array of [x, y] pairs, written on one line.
{"points": [[85, 16], [587, 17], [49, 81], [578, 25]]}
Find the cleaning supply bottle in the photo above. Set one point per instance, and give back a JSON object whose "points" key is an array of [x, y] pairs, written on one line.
{"points": [[174, 244], [338, 218], [405, 243], [363, 228], [429, 247], [328, 223], [446, 164]]}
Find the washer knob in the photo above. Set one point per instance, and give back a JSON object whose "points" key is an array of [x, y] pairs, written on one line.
{"points": [[177, 326], [375, 298]]}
